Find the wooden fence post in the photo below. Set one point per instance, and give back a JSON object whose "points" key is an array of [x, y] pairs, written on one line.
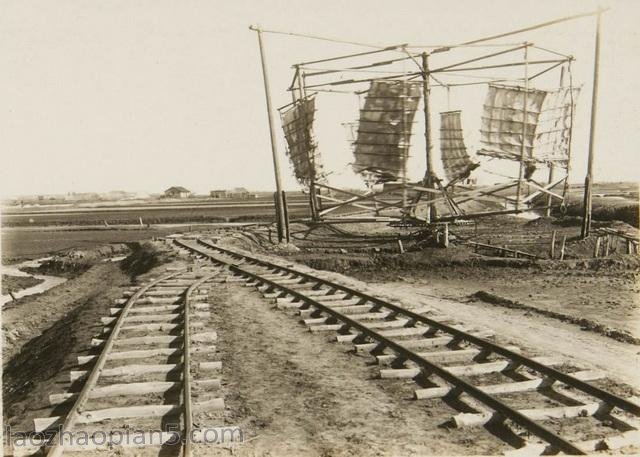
{"points": [[564, 241], [445, 241], [552, 250], [596, 251]]}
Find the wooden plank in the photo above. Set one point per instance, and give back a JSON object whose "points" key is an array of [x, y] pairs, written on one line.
{"points": [[127, 412], [133, 388], [129, 370], [467, 370], [442, 356], [146, 340], [510, 387], [325, 327], [136, 354], [538, 414]]}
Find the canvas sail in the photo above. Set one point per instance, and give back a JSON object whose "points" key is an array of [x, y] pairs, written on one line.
{"points": [[553, 135], [381, 148], [455, 159], [302, 148], [503, 119], [549, 123]]}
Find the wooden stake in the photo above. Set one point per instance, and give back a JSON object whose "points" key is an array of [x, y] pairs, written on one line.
{"points": [[401, 246], [272, 133], [596, 251], [549, 197], [607, 245], [588, 180], [445, 241], [552, 250], [562, 247]]}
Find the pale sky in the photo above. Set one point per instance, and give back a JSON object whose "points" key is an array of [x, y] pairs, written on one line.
{"points": [[140, 95]]}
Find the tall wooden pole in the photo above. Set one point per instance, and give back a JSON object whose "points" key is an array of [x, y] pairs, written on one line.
{"points": [[588, 180], [551, 165], [524, 124], [272, 131], [405, 142], [313, 191], [427, 132]]}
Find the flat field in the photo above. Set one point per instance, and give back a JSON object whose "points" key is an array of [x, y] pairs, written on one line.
{"points": [[151, 213], [18, 244]]}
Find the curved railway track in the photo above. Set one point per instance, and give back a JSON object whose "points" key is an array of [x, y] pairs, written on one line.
{"points": [[137, 390], [450, 361]]}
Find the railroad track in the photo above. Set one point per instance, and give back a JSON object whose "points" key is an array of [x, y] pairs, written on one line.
{"points": [[450, 361], [153, 355]]}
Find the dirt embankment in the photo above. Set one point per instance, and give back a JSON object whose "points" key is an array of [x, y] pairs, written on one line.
{"points": [[42, 332], [584, 323], [75, 261], [146, 256], [45, 333]]}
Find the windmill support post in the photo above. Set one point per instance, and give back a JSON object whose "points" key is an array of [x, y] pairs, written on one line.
{"points": [[524, 125], [314, 202], [280, 216], [427, 132], [588, 180]]}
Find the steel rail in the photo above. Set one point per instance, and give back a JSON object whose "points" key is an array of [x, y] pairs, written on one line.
{"points": [[186, 377], [550, 372], [504, 411], [58, 447]]}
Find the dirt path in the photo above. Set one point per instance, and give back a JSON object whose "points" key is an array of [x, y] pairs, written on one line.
{"points": [[609, 298], [297, 393]]}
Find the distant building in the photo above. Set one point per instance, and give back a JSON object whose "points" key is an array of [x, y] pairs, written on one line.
{"points": [[238, 192], [177, 192], [241, 192], [219, 194]]}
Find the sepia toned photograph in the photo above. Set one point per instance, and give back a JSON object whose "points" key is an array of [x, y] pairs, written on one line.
{"points": [[339, 228]]}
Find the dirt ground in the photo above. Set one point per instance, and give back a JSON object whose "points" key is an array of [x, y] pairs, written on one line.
{"points": [[610, 298], [297, 393], [600, 295]]}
